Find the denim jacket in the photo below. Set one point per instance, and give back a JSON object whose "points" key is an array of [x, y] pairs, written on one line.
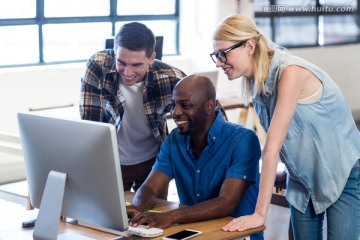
{"points": [[322, 143]]}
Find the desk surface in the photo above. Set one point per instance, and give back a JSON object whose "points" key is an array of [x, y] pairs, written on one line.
{"points": [[10, 226]]}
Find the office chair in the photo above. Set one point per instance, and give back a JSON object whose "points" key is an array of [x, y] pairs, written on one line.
{"points": [[159, 40]]}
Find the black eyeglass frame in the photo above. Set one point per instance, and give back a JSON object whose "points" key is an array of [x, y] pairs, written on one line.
{"points": [[222, 54]]}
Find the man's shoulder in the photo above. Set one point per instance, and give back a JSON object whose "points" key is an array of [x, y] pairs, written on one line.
{"points": [[237, 130], [161, 70], [103, 59]]}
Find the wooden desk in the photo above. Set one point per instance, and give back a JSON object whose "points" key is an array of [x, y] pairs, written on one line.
{"points": [[10, 227]]}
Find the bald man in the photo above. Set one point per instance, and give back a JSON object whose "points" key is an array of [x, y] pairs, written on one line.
{"points": [[215, 163]]}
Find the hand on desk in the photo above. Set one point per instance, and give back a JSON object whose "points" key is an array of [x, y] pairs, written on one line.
{"points": [[150, 218], [244, 223]]}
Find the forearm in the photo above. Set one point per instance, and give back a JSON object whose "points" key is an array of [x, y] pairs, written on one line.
{"points": [[144, 199], [267, 180], [211, 209]]}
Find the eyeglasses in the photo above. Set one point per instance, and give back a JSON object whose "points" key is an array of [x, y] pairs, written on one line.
{"points": [[221, 55]]}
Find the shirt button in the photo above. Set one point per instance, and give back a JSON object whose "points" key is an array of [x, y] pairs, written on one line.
{"points": [[198, 171], [198, 194], [245, 176], [214, 138]]}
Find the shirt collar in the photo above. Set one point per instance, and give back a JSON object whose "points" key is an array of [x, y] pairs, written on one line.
{"points": [[216, 128], [111, 64], [149, 77], [214, 131]]}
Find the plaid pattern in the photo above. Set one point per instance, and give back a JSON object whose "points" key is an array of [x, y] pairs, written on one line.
{"points": [[102, 101]]}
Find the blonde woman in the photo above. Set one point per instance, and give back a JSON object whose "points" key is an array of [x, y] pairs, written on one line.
{"points": [[309, 126]]}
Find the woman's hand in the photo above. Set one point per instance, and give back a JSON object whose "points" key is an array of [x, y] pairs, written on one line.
{"points": [[244, 223]]}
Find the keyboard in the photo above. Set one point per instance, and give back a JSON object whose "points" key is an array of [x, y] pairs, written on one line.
{"points": [[142, 231]]}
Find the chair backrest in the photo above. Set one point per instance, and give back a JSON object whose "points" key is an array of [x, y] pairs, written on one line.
{"points": [[109, 43]]}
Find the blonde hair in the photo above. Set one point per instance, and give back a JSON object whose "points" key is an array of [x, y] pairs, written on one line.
{"points": [[238, 28]]}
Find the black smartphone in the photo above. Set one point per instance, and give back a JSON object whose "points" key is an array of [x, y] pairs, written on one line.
{"points": [[182, 235]]}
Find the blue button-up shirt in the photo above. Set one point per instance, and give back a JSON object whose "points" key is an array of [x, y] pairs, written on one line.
{"points": [[232, 152]]}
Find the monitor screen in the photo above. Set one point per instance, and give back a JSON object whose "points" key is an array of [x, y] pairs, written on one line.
{"points": [[86, 153]]}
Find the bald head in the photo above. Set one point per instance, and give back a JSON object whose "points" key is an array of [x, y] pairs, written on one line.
{"points": [[199, 85]]}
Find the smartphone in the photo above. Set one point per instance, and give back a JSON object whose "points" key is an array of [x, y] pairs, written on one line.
{"points": [[183, 235]]}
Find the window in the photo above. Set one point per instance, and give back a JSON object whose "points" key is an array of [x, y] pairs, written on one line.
{"points": [[300, 23], [53, 31]]}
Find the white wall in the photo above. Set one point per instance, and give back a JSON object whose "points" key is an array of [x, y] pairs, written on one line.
{"points": [[198, 21], [47, 86], [36, 87]]}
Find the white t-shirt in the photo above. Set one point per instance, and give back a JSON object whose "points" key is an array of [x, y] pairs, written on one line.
{"points": [[135, 139]]}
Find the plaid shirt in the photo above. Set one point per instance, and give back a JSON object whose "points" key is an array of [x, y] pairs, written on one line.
{"points": [[102, 101]]}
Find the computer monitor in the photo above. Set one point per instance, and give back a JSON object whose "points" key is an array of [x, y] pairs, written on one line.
{"points": [[73, 170], [159, 42]]}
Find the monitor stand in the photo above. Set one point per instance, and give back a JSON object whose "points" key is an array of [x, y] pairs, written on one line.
{"points": [[48, 220]]}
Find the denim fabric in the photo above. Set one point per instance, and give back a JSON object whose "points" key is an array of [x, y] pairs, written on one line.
{"points": [[232, 152], [343, 217], [322, 143]]}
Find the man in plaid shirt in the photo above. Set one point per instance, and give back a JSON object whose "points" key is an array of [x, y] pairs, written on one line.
{"points": [[128, 87]]}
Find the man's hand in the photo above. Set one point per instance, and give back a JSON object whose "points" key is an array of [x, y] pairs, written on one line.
{"points": [[244, 223], [151, 219], [131, 211]]}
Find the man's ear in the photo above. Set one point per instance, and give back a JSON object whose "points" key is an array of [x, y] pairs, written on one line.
{"points": [[210, 106], [152, 58]]}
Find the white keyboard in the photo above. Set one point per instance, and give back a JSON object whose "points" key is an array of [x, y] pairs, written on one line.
{"points": [[142, 231]]}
